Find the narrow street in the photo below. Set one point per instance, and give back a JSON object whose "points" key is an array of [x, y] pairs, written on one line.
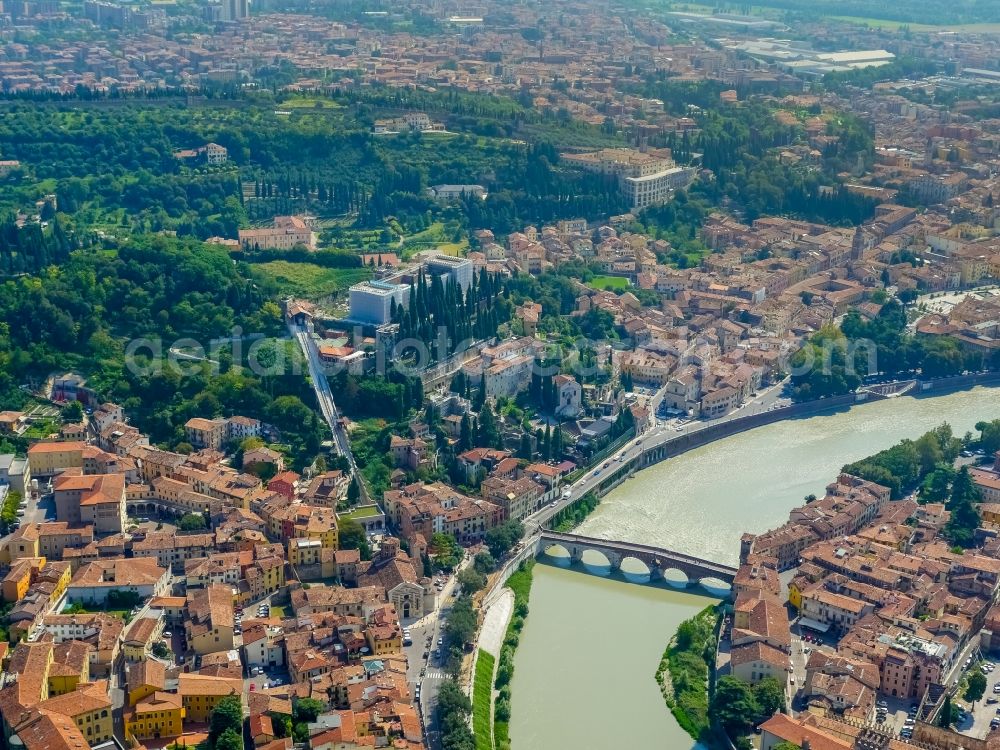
{"points": [[426, 657]]}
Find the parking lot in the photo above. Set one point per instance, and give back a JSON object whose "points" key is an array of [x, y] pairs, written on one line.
{"points": [[894, 714], [897, 715], [979, 719]]}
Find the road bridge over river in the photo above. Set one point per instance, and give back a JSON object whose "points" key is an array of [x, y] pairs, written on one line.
{"points": [[656, 559]]}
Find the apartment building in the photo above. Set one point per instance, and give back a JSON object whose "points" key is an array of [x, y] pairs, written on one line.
{"points": [[211, 621], [155, 716], [96, 580], [205, 433], [96, 500], [49, 458], [426, 509], [645, 178], [518, 497], [200, 694]]}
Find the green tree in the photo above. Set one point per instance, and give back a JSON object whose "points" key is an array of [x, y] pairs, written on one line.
{"points": [[229, 740], [471, 580], [975, 687], [351, 535], [453, 711], [484, 563], [937, 485], [226, 716], [770, 697], [965, 519], [462, 622], [989, 436], [687, 632], [192, 522], [72, 411], [465, 438], [489, 433], [502, 538], [306, 710], [525, 451], [734, 706], [945, 717]]}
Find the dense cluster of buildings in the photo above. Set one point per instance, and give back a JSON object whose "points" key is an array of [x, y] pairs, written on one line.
{"points": [[186, 643], [874, 578]]}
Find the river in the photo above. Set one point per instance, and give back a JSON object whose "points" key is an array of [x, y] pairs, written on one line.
{"points": [[584, 669]]}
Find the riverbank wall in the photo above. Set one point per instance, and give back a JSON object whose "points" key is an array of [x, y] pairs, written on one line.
{"points": [[677, 445]]}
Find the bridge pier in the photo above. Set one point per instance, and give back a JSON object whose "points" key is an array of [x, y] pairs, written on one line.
{"points": [[576, 555], [616, 562]]}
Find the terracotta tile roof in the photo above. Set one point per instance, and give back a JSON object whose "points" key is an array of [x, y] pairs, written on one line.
{"points": [[198, 684], [798, 733]]}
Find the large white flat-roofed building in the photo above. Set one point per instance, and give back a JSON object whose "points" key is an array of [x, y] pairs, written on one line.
{"points": [[644, 177], [802, 60], [287, 232], [458, 270], [858, 58], [654, 188], [371, 301]]}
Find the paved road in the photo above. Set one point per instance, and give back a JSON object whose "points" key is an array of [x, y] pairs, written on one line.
{"points": [[425, 632], [662, 432], [976, 722], [36, 510]]}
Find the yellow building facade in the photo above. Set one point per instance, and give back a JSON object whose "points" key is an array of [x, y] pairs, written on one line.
{"points": [[200, 694], [157, 715]]}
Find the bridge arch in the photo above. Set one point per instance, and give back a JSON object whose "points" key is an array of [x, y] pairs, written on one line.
{"points": [[715, 586], [596, 560], [675, 577], [557, 553], [635, 568], [634, 564]]}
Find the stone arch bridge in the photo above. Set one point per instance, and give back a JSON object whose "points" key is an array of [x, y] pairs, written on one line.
{"points": [[656, 559]]}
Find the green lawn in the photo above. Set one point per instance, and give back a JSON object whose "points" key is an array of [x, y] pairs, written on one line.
{"points": [[122, 614], [615, 283], [365, 512], [482, 701], [308, 279], [308, 103], [435, 237], [520, 583], [277, 611]]}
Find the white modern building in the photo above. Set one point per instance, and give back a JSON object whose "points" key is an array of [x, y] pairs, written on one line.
{"points": [[371, 301], [458, 270], [644, 177], [651, 189]]}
